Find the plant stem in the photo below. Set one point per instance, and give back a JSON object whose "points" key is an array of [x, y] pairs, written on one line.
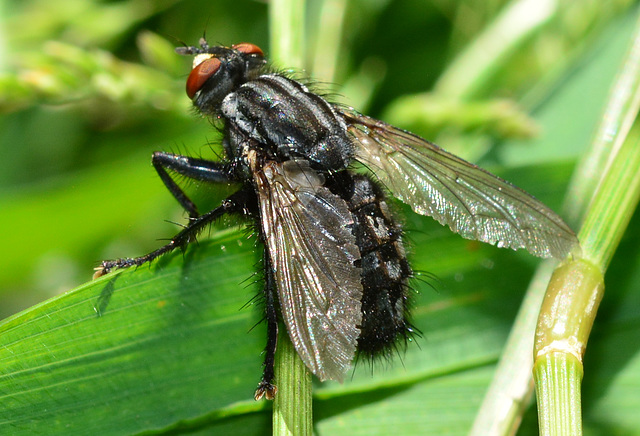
{"points": [[574, 292], [293, 407], [287, 27], [577, 286]]}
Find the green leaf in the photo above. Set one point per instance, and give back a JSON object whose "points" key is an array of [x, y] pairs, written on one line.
{"points": [[141, 349]]}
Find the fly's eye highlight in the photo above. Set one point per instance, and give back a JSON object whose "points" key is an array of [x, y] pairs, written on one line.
{"points": [[248, 48], [200, 74]]}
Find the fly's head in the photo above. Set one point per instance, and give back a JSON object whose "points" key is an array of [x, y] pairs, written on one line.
{"points": [[218, 70]]}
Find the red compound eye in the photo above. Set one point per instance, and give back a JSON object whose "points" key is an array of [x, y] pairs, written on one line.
{"points": [[201, 74], [248, 48]]}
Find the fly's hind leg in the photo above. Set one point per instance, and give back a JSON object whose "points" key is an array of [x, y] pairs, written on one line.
{"points": [[235, 203], [266, 388], [193, 168]]}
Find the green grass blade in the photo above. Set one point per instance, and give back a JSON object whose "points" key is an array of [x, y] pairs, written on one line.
{"points": [[126, 353]]}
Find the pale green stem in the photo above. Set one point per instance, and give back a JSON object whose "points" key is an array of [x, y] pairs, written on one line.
{"points": [[619, 116], [566, 317], [287, 37], [292, 408], [576, 288], [329, 39], [575, 291]]}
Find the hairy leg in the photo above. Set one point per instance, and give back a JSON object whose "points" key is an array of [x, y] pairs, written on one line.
{"points": [[235, 203], [266, 388]]}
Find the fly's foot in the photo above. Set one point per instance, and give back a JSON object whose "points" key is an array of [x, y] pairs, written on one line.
{"points": [[266, 390], [106, 266]]}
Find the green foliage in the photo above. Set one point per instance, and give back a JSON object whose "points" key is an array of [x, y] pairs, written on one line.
{"points": [[88, 91]]}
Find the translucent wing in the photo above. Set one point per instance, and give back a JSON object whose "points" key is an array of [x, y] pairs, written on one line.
{"points": [[313, 253], [471, 201]]}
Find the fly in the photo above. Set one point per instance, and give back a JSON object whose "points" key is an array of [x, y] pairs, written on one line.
{"points": [[334, 259]]}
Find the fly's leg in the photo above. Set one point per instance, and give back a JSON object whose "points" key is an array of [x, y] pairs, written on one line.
{"points": [[197, 169], [266, 388], [193, 168], [235, 203]]}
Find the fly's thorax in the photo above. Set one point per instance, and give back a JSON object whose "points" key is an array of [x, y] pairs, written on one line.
{"points": [[282, 115]]}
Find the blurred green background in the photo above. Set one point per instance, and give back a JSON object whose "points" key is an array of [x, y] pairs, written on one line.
{"points": [[89, 89]]}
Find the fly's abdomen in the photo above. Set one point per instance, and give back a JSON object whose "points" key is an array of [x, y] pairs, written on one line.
{"points": [[384, 265]]}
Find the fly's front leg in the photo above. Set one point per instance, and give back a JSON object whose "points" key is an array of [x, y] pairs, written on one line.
{"points": [[193, 168], [266, 388], [235, 203]]}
